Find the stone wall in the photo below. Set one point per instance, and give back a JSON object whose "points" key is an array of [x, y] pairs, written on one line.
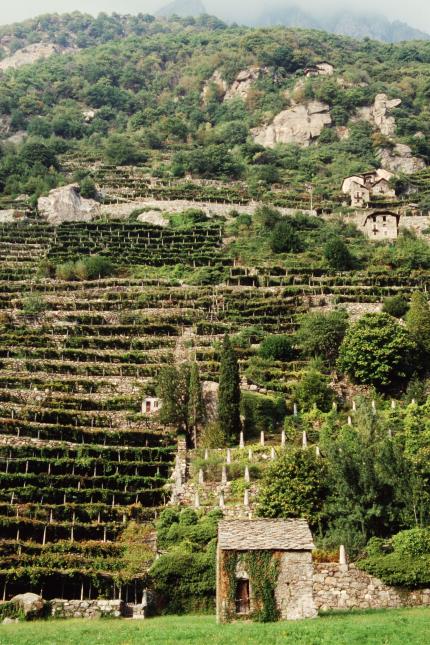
{"points": [[86, 608], [339, 586], [294, 589]]}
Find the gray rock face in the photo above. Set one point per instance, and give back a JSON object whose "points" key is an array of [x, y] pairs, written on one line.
{"points": [[400, 159], [216, 81], [65, 204], [379, 114], [155, 218], [298, 125], [29, 603], [243, 82], [28, 55], [10, 215]]}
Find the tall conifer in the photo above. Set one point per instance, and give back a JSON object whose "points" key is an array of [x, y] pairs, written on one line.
{"points": [[229, 392], [196, 410], [418, 320]]}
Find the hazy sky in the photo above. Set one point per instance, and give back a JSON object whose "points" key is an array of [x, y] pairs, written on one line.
{"points": [[415, 12]]}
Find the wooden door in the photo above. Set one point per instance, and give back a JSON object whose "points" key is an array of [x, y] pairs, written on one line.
{"points": [[242, 597]]}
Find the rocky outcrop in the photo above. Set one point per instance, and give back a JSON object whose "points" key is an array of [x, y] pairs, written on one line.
{"points": [[298, 125], [153, 217], [10, 215], [379, 114], [29, 54], [400, 159], [30, 604], [243, 82], [216, 82], [240, 87], [65, 204]]}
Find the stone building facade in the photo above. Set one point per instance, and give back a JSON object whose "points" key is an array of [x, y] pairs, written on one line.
{"points": [[289, 545], [381, 225]]}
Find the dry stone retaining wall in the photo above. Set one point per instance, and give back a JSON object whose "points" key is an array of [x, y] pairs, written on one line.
{"points": [[86, 608], [338, 586]]}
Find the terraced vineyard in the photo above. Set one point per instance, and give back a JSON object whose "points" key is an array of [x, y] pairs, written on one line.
{"points": [[78, 460]]}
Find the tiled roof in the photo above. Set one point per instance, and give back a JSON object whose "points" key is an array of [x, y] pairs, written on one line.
{"points": [[282, 535]]}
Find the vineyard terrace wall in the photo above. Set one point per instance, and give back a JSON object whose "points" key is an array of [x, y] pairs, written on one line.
{"points": [[343, 586]]}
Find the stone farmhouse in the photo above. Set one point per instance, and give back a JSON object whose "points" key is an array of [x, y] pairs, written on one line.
{"points": [[288, 547], [380, 225], [253, 555], [361, 188]]}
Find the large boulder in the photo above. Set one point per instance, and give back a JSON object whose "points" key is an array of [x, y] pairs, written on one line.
{"points": [[30, 604], [379, 114], [65, 204], [298, 125], [400, 159]]}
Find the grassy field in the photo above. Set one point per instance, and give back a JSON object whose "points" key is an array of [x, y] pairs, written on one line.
{"points": [[392, 627]]}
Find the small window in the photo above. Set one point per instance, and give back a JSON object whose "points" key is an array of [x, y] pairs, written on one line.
{"points": [[384, 218], [155, 404], [374, 218], [242, 597], [148, 407]]}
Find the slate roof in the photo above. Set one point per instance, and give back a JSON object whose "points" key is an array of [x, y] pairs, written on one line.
{"points": [[251, 535]]}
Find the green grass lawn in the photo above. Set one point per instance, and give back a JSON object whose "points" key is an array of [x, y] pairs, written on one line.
{"points": [[391, 627]]}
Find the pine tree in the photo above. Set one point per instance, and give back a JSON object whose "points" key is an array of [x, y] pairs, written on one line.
{"points": [[196, 410], [229, 392], [418, 320]]}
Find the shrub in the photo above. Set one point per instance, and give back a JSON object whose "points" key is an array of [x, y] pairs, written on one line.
{"points": [[320, 334], [396, 306], [88, 188], [313, 390], [278, 347]]}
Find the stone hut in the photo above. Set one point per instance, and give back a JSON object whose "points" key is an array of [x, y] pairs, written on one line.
{"points": [[151, 405], [381, 225], [255, 554]]}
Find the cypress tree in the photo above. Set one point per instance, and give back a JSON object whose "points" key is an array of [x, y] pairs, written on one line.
{"points": [[418, 320], [196, 410], [229, 392]]}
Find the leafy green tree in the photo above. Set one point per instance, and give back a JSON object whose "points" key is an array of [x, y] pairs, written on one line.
{"points": [[229, 392], [88, 188], [196, 409], [120, 150], [377, 351], [294, 486], [418, 320], [338, 255], [320, 334], [277, 347], [285, 238]]}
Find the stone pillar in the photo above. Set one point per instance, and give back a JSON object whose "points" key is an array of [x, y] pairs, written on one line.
{"points": [[197, 500], [283, 439], [241, 440], [247, 477], [354, 406], [295, 410], [246, 498], [228, 457], [262, 438], [224, 475], [221, 502], [201, 476], [206, 454], [342, 555], [349, 421], [304, 440], [317, 451], [250, 454]]}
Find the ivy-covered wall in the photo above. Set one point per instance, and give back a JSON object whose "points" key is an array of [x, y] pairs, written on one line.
{"points": [[280, 584]]}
